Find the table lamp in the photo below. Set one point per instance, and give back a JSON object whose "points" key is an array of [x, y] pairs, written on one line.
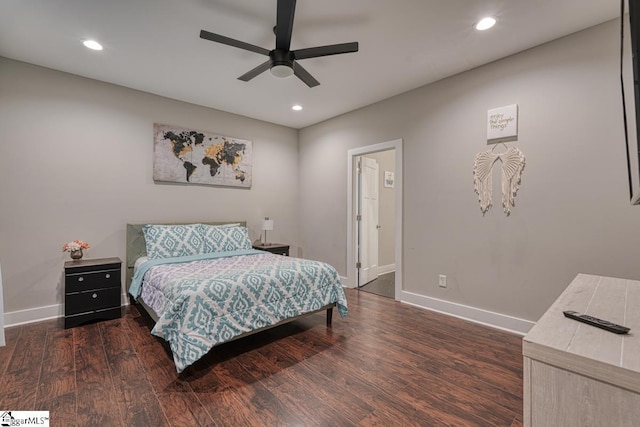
{"points": [[267, 225]]}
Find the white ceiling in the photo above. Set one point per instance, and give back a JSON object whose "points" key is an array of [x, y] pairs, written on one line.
{"points": [[154, 46]]}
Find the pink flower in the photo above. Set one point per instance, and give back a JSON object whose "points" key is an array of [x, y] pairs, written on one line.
{"points": [[75, 245]]}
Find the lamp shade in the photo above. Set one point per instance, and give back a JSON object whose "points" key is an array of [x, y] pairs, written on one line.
{"points": [[267, 224]]}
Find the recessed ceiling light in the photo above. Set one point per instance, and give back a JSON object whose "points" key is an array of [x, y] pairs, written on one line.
{"points": [[485, 23], [296, 107], [92, 44]]}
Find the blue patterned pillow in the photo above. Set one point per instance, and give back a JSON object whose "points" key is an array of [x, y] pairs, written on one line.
{"points": [[224, 238], [165, 241]]}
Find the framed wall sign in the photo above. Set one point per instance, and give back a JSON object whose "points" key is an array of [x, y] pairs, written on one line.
{"points": [[388, 179], [502, 124], [199, 157]]}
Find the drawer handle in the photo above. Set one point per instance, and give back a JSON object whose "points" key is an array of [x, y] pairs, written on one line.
{"points": [[80, 279], [107, 275], [94, 296]]}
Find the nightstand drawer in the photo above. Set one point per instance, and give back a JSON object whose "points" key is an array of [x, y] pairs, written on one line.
{"points": [[78, 282], [92, 300], [80, 319]]}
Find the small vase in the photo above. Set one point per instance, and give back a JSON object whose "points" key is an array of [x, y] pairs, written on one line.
{"points": [[76, 255]]}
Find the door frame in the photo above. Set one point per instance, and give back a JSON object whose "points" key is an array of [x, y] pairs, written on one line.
{"points": [[351, 219]]}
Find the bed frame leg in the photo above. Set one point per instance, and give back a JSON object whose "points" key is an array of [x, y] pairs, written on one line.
{"points": [[329, 315]]}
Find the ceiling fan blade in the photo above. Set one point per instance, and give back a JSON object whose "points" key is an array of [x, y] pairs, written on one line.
{"points": [[304, 75], [232, 42], [333, 49], [284, 23], [259, 69]]}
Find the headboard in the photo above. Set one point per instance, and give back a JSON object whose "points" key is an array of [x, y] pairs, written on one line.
{"points": [[136, 247]]}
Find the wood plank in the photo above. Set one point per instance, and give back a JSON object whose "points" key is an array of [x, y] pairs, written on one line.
{"points": [[432, 411], [58, 371], [367, 369], [61, 409], [57, 385], [136, 399], [328, 391], [553, 329], [461, 400], [563, 398], [503, 399], [238, 401], [11, 336], [173, 392], [23, 372], [96, 398], [300, 399], [517, 422], [378, 386], [607, 303]]}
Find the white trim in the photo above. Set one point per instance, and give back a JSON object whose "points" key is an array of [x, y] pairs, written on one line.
{"points": [[39, 314], [473, 314], [30, 315], [351, 154], [345, 282], [384, 269]]}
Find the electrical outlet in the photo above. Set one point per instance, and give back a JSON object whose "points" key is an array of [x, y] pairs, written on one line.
{"points": [[442, 281]]}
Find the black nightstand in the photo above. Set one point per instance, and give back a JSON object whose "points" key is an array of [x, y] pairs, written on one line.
{"points": [[274, 248], [92, 290]]}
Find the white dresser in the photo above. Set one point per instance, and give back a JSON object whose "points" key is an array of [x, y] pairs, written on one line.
{"points": [[579, 375]]}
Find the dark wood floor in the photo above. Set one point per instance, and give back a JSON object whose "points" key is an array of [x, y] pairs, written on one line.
{"points": [[386, 364]]}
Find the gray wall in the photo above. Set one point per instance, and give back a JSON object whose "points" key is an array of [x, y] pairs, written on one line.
{"points": [[572, 213], [76, 163]]}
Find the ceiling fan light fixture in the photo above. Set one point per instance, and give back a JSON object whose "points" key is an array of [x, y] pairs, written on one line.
{"points": [[282, 71], [282, 60], [485, 23]]}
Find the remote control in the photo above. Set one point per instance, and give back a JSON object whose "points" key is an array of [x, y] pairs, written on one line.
{"points": [[598, 323]]}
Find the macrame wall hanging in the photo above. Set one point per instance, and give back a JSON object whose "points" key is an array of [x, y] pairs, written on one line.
{"points": [[502, 126], [513, 162]]}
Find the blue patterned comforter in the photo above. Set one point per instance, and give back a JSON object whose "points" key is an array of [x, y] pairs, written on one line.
{"points": [[205, 302]]}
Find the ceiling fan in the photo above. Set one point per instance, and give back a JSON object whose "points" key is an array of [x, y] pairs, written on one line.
{"points": [[283, 62]]}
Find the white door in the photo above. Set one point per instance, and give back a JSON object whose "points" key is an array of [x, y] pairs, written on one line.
{"points": [[368, 224]]}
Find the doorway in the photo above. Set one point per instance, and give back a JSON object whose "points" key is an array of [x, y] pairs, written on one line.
{"points": [[374, 227]]}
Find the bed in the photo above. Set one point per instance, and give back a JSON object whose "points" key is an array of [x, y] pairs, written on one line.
{"points": [[204, 285]]}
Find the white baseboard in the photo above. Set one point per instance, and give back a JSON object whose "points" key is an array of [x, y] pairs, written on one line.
{"points": [[476, 315], [384, 269], [38, 314], [31, 315], [346, 284]]}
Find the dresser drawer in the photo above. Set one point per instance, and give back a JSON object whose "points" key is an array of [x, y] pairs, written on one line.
{"points": [[81, 319], [92, 300], [78, 282]]}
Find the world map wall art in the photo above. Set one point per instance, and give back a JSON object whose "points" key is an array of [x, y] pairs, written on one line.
{"points": [[196, 157]]}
